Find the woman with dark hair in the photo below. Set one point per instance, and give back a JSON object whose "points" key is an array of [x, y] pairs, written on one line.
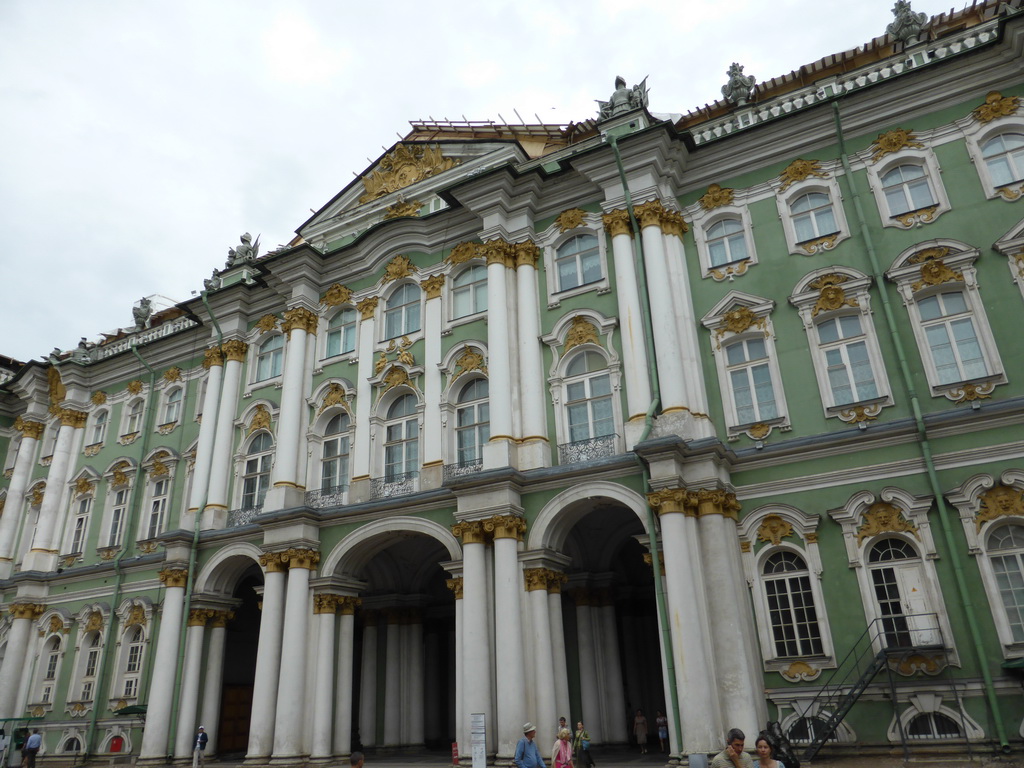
{"points": [[766, 753], [640, 730]]}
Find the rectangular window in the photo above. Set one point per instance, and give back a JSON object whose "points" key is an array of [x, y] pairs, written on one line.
{"points": [[81, 522], [134, 658], [793, 618], [751, 381], [51, 666], [849, 367], [952, 338], [117, 518], [1009, 573], [90, 662], [401, 453], [157, 509], [87, 691], [131, 688], [47, 694]]}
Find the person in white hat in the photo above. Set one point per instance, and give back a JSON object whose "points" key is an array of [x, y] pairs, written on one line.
{"points": [[199, 751], [527, 753]]}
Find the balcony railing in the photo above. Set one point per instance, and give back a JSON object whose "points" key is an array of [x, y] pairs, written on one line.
{"points": [[588, 450], [334, 496], [393, 485], [463, 468], [244, 516]]}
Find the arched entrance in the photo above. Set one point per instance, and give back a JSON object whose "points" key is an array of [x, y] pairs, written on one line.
{"points": [[240, 650]]}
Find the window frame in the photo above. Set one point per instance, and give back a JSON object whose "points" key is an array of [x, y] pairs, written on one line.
{"points": [[126, 655], [924, 159], [471, 287], [99, 425], [458, 406], [976, 136], [79, 519], [173, 405], [785, 199], [404, 421], [261, 354], [555, 294], [330, 329], [133, 414], [407, 287], [703, 220], [265, 458], [343, 437]]}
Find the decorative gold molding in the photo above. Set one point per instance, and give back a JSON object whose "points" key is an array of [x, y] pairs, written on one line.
{"points": [[933, 269], [800, 170], [996, 105], [921, 216], [968, 393], [505, 527], [571, 218], [136, 617], [497, 251], [172, 374], [617, 222], [1000, 501], [831, 296], [673, 223], [220, 619], [715, 501], [432, 286], [31, 611], [673, 500], [147, 547], [526, 254], [235, 350], [774, 529], [213, 356], [301, 558], [859, 413], [335, 395], [406, 164], [260, 419], [174, 577], [403, 209], [159, 469], [84, 486], [134, 387], [325, 604], [72, 418], [581, 331], [367, 307], [555, 581], [893, 141], [396, 377], [469, 532], [120, 479], [469, 360], [335, 295], [1011, 194], [198, 617], [649, 214], [108, 553], [745, 546], [299, 319], [35, 496], [29, 429], [266, 324], [55, 387], [56, 625], [94, 622], [929, 663], [272, 563], [347, 604], [882, 517], [400, 266], [464, 252], [99, 397], [536, 579], [800, 671], [826, 243], [455, 585], [716, 197], [739, 320]]}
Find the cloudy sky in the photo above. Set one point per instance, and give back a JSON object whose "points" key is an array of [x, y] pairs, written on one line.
{"points": [[139, 139]]}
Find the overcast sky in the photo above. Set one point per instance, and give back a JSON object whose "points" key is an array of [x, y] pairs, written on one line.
{"points": [[138, 140]]}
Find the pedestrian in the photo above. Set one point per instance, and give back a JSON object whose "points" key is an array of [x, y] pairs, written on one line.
{"points": [[199, 749], [766, 753], [561, 724], [561, 752], [733, 755], [662, 724], [581, 743], [527, 754], [31, 749], [356, 760], [640, 730]]}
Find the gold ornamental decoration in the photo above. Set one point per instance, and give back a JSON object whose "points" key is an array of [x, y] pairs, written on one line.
{"points": [[921, 216], [56, 388], [570, 219], [403, 209], [882, 517], [301, 558], [213, 356], [432, 286], [159, 469], [83, 486], [235, 349], [800, 170], [197, 617], [469, 532], [136, 617], [381, 364], [527, 253], [536, 579], [455, 585], [336, 294], [174, 577], [56, 625], [94, 623], [649, 214], [260, 419], [861, 413], [996, 105], [968, 393], [404, 355], [464, 252], [299, 318], [31, 611], [335, 396], [617, 222], [581, 331], [72, 418], [403, 166], [505, 527], [831, 296], [266, 324], [739, 320], [800, 671], [367, 307], [397, 268], [716, 197], [99, 397], [469, 360], [325, 604], [894, 141], [497, 251], [1001, 501], [935, 272], [736, 270], [672, 223], [120, 477], [774, 529], [30, 429], [172, 374], [396, 377], [672, 500], [35, 496]]}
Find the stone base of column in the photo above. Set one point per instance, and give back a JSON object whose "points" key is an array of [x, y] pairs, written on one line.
{"points": [[684, 424], [499, 453], [6, 567], [431, 476], [283, 497], [37, 560], [534, 454], [153, 762], [287, 759], [214, 518]]}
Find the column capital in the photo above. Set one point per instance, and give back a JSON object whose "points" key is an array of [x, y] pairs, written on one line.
{"points": [[526, 254], [367, 307], [72, 418], [715, 501], [617, 222], [301, 558], [497, 251], [213, 356], [31, 611], [325, 604], [505, 527], [235, 350], [649, 214], [536, 579], [198, 617], [672, 223], [470, 532], [272, 562], [347, 604], [669, 500], [299, 318], [28, 428], [649, 559], [220, 619], [174, 577], [432, 286], [455, 585], [555, 581]]}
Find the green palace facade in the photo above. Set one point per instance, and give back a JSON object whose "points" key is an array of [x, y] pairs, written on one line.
{"points": [[715, 413]]}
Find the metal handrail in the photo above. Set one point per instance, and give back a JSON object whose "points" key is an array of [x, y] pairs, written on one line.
{"points": [[397, 484], [588, 450], [243, 516], [461, 468], [331, 496]]}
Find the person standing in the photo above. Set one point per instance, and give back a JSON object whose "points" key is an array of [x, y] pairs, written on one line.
{"points": [[527, 754], [661, 723], [561, 752], [640, 730], [356, 760], [199, 750], [581, 744], [766, 753], [31, 748], [733, 755]]}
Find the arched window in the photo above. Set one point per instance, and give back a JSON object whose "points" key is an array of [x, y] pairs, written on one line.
{"points": [[256, 478], [469, 291], [906, 189], [578, 262], [134, 421], [72, 745], [473, 422], [334, 463], [588, 398], [813, 216], [750, 380], [172, 406], [269, 358], [91, 666], [791, 611], [1004, 157], [80, 523], [897, 578], [952, 338], [159, 492], [134, 644], [341, 333], [727, 242], [402, 315], [99, 426], [401, 439], [848, 364], [1006, 555], [933, 725], [49, 662], [118, 513]]}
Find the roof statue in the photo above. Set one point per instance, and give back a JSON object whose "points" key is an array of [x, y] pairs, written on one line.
{"points": [[142, 313], [81, 352], [740, 87], [623, 99], [245, 252], [907, 25], [212, 283]]}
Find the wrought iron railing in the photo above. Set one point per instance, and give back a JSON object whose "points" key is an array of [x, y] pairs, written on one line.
{"points": [[243, 516], [334, 496], [463, 468], [588, 450], [397, 484]]}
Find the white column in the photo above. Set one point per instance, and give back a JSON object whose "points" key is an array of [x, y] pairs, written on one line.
{"points": [[188, 701], [631, 324], [698, 694], [364, 391], [589, 692], [476, 667], [666, 335], [532, 383], [343, 689], [614, 698], [546, 714], [165, 666], [508, 635], [14, 506], [414, 681], [223, 440], [368, 682], [734, 677], [432, 439], [297, 323], [44, 543], [434, 716], [555, 581], [214, 363], [461, 720], [291, 685], [498, 363], [24, 617], [213, 678], [268, 658], [324, 609], [393, 680]]}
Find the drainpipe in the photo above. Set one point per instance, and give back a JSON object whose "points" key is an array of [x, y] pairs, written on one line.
{"points": [[652, 368], [963, 591]]}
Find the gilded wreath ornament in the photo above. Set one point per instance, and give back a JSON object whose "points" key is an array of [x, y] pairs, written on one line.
{"points": [[1000, 501], [397, 268], [800, 170], [996, 105], [716, 197], [335, 295], [774, 529], [883, 517], [403, 166], [831, 295], [260, 419], [581, 331], [570, 219], [469, 360], [894, 141]]}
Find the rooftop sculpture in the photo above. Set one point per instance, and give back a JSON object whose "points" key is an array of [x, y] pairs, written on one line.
{"points": [[907, 25], [245, 252], [623, 99], [740, 87]]}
